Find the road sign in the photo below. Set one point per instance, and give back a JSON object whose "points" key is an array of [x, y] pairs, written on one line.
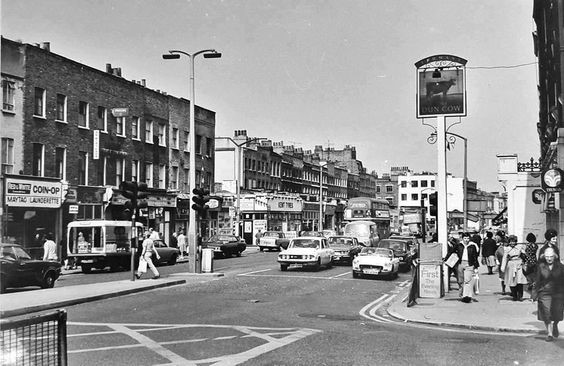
{"points": [[120, 112], [73, 209]]}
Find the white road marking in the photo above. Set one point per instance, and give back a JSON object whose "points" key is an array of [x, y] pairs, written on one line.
{"points": [[342, 274], [253, 272], [273, 337]]}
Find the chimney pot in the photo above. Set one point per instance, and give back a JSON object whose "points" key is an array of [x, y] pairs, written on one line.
{"points": [[46, 46], [109, 68], [143, 82]]}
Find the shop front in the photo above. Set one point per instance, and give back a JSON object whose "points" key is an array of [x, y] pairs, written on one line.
{"points": [[253, 217], [32, 208], [284, 213], [160, 213]]}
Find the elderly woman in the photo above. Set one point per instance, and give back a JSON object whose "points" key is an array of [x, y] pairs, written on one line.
{"points": [[513, 268], [550, 292]]}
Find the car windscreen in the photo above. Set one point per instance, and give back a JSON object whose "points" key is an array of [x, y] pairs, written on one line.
{"points": [[270, 234], [357, 229], [377, 252], [392, 244], [305, 243], [222, 238], [22, 254], [332, 241]]}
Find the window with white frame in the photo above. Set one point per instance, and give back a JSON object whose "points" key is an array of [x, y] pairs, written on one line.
{"points": [[174, 178], [175, 138], [135, 128], [120, 126], [82, 168], [102, 119], [186, 141], [120, 171], [61, 162], [8, 95], [149, 174], [39, 102], [162, 176], [38, 160], [83, 109], [135, 170], [149, 131], [162, 135], [61, 107], [7, 155]]}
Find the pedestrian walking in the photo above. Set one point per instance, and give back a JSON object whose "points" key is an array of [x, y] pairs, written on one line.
{"points": [[529, 267], [549, 282], [488, 252], [551, 237], [145, 259], [258, 235], [468, 266], [50, 249], [182, 244], [512, 265]]}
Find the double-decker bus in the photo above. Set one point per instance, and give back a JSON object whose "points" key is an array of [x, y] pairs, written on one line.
{"points": [[375, 210]]}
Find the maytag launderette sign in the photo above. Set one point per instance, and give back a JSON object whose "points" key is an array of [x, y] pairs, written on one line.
{"points": [[441, 86], [31, 193]]}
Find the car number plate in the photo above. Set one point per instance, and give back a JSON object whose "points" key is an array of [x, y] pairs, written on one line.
{"points": [[371, 271], [87, 261]]}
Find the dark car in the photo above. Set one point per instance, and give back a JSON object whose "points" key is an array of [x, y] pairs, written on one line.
{"points": [[401, 248], [227, 245], [17, 269], [168, 255], [345, 248]]}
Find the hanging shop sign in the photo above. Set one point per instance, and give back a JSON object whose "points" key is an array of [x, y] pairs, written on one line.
{"points": [[552, 180], [441, 86], [33, 193]]}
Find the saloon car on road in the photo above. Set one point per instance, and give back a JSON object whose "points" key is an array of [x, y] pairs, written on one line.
{"points": [[17, 269], [401, 250], [226, 245], [168, 255], [375, 262], [273, 240], [306, 251], [345, 248]]}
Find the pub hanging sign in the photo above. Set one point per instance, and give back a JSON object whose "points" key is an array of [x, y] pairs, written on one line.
{"points": [[552, 180], [441, 86]]}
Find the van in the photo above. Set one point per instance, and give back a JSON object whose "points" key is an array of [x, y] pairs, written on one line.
{"points": [[366, 232]]}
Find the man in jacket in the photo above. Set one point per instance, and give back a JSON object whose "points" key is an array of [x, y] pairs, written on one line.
{"points": [[468, 265]]}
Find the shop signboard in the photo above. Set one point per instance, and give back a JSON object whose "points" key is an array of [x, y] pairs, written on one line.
{"points": [[33, 193], [285, 204]]}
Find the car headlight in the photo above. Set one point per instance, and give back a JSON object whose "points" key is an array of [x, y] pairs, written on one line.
{"points": [[387, 266]]}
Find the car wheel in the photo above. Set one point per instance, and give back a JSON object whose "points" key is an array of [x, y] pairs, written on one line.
{"points": [[49, 280], [261, 249], [317, 266], [172, 260], [238, 254], [86, 268], [283, 267], [355, 275]]}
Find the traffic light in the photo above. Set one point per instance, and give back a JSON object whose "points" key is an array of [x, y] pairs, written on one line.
{"points": [[200, 198], [433, 204], [137, 195], [142, 195]]}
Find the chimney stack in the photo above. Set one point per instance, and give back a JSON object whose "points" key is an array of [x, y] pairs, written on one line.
{"points": [[46, 46]]}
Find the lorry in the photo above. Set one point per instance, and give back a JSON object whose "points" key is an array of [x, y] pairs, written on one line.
{"points": [[102, 243]]}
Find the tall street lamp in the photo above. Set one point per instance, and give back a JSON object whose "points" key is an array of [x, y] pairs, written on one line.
{"points": [[321, 218], [192, 242], [238, 173]]}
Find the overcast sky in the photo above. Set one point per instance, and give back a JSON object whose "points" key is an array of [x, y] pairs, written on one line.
{"points": [[308, 73]]}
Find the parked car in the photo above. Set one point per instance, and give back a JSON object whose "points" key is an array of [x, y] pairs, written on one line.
{"points": [[413, 240], [226, 245], [273, 240], [17, 269], [375, 262], [345, 248], [168, 255], [306, 251], [401, 250]]}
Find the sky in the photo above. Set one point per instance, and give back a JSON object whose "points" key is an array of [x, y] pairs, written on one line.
{"points": [[315, 72]]}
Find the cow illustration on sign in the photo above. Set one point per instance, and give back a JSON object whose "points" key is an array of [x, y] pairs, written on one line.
{"points": [[439, 87]]}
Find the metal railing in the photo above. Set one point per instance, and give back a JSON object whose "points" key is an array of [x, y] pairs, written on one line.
{"points": [[37, 340]]}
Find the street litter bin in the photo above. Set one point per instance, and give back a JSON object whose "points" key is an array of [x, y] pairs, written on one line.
{"points": [[207, 260]]}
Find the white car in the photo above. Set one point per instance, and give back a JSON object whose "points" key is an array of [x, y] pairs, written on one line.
{"points": [[306, 251], [375, 262]]}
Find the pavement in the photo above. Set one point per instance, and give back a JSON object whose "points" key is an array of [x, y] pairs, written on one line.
{"points": [[492, 311]]}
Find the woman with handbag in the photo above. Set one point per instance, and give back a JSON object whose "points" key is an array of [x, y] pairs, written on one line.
{"points": [[530, 259], [145, 259], [549, 283]]}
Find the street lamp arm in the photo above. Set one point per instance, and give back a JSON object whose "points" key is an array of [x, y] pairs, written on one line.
{"points": [[194, 54]]}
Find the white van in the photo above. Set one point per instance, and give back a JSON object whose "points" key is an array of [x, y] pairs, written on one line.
{"points": [[366, 232]]}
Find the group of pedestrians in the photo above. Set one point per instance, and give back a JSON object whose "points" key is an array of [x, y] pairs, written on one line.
{"points": [[519, 265]]}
